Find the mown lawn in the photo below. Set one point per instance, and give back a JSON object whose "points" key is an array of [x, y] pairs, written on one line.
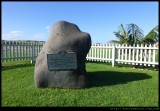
{"points": [[118, 86]]}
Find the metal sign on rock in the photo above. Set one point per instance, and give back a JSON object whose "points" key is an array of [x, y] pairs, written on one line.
{"points": [[62, 61]]}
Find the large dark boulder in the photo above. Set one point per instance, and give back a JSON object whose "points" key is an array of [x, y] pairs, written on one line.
{"points": [[69, 38]]}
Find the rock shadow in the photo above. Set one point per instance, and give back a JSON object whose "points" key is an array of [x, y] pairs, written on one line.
{"points": [[108, 78]]}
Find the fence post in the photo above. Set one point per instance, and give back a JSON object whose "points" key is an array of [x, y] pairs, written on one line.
{"points": [[154, 55], [32, 47], [1, 51], [113, 55]]}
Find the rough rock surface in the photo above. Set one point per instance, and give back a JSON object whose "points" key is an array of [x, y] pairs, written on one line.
{"points": [[68, 37]]}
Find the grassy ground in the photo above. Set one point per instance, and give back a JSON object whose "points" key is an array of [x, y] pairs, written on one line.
{"points": [[118, 86]]}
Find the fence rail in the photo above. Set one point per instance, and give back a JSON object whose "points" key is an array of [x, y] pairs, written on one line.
{"points": [[18, 50], [137, 55]]}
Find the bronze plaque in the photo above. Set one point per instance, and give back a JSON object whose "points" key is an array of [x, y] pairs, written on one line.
{"points": [[62, 61]]}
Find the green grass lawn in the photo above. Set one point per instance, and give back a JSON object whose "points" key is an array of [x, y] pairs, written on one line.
{"points": [[118, 86]]}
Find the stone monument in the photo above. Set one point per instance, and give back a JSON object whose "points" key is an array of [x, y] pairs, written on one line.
{"points": [[61, 61]]}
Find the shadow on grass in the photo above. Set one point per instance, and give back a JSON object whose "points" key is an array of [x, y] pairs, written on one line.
{"points": [[15, 66], [108, 78]]}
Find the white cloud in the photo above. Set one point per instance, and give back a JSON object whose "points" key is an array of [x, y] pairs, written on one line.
{"points": [[13, 35], [39, 36], [48, 28]]}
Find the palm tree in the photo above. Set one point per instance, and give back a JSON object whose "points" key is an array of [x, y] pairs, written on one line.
{"points": [[152, 37], [135, 33], [129, 35], [122, 35]]}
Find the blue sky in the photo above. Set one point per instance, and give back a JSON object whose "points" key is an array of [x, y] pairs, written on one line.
{"points": [[33, 20]]}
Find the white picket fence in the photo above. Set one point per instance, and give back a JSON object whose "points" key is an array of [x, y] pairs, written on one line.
{"points": [[13, 50], [141, 54]]}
